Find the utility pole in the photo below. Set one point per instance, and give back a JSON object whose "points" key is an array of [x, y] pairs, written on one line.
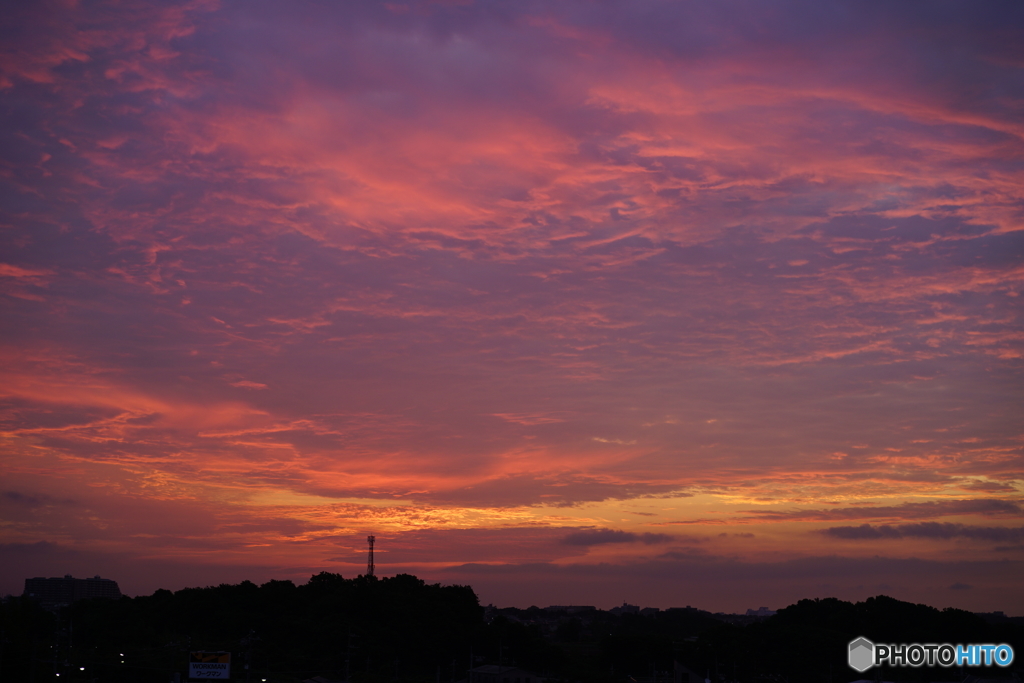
{"points": [[369, 563]]}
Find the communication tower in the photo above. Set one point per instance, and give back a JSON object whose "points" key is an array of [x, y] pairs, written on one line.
{"points": [[369, 563]]}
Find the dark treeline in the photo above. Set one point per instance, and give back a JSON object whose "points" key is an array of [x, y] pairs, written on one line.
{"points": [[807, 642], [371, 630], [803, 643], [394, 628]]}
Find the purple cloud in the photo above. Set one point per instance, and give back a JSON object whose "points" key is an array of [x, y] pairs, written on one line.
{"points": [[591, 537], [936, 530]]}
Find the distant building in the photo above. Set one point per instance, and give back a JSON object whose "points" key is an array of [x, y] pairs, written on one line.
{"points": [[55, 592], [571, 609], [625, 609], [760, 612], [649, 611]]}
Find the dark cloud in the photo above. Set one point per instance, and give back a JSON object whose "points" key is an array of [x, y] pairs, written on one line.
{"points": [[21, 499], [986, 507], [590, 537], [938, 530], [528, 544], [35, 500], [864, 531], [28, 415]]}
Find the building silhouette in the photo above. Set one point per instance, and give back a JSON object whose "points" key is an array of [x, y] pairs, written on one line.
{"points": [[55, 592]]}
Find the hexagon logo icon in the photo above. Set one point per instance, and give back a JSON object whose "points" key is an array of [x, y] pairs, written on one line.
{"points": [[861, 654]]}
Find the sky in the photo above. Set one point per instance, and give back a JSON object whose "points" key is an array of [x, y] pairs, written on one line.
{"points": [[576, 302]]}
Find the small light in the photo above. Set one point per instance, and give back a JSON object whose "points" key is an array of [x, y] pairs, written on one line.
{"points": [[81, 668]]}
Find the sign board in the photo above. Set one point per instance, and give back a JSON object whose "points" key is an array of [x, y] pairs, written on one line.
{"points": [[209, 665]]}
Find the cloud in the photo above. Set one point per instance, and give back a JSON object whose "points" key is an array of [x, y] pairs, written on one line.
{"points": [[986, 507], [21, 498], [528, 418], [933, 530], [591, 537], [864, 531], [246, 384]]}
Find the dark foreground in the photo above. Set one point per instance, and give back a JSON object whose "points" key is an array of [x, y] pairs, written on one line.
{"points": [[369, 630]]}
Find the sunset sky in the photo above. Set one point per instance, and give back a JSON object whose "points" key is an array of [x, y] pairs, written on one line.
{"points": [[711, 303]]}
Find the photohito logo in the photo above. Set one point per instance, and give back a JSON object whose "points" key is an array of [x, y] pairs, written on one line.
{"points": [[863, 654]]}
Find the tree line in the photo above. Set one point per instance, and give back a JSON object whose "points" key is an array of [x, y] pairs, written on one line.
{"points": [[403, 630]]}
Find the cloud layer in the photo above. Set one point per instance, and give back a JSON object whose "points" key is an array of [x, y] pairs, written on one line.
{"points": [[544, 280]]}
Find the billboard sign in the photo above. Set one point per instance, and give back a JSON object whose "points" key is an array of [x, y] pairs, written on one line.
{"points": [[209, 665]]}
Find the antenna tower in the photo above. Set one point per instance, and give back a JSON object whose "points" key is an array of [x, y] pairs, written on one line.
{"points": [[369, 563]]}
